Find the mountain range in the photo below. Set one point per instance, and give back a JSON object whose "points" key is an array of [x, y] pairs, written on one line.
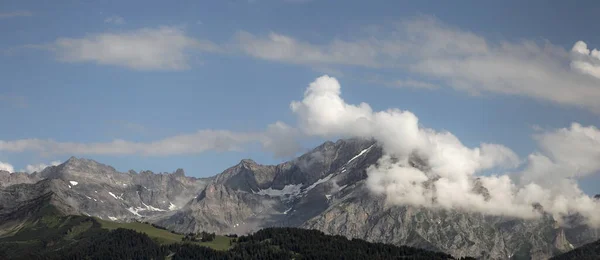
{"points": [[324, 189]]}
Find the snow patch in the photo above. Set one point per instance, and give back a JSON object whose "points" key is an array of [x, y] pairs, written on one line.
{"points": [[115, 196], [292, 191], [343, 187], [172, 206], [69, 186], [150, 208], [134, 211], [327, 178], [287, 211], [359, 154], [328, 196], [74, 183], [288, 190], [112, 218]]}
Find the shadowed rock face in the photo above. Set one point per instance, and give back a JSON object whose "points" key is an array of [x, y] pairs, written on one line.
{"points": [[323, 189]]}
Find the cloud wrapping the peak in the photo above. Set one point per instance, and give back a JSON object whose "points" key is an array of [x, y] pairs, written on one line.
{"points": [[162, 48], [6, 167], [450, 172]]}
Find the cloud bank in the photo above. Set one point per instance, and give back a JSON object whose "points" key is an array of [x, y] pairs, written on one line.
{"points": [[449, 177], [278, 138], [162, 48]]}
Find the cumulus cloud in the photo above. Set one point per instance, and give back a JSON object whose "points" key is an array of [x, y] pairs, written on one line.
{"points": [[585, 61], [118, 20], [162, 48], [278, 138], [31, 168], [456, 58], [15, 14], [6, 167], [450, 176]]}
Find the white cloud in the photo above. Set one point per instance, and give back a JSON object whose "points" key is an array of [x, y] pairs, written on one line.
{"points": [[456, 58], [14, 100], [584, 60], [278, 47], [448, 178], [278, 138], [31, 168], [6, 167], [403, 83], [162, 48], [118, 20], [15, 14]]}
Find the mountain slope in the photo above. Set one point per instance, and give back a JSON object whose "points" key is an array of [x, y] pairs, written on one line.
{"points": [[589, 251], [56, 236], [249, 196], [95, 189], [324, 189]]}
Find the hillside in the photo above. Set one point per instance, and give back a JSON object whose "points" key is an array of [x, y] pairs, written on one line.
{"points": [[589, 251], [55, 236]]}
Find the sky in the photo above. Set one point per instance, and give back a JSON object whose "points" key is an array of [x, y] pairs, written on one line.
{"points": [[200, 85]]}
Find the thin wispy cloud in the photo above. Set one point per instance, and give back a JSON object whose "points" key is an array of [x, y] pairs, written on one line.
{"points": [[456, 58], [162, 48], [277, 138], [117, 20], [15, 101], [4, 15]]}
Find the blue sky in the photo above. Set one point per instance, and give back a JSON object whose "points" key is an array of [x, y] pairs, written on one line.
{"points": [[236, 66]]}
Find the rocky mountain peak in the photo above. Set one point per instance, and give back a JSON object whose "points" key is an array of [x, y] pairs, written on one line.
{"points": [[179, 173], [247, 163]]}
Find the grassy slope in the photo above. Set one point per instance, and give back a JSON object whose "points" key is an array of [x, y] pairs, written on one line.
{"points": [[163, 236]]}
